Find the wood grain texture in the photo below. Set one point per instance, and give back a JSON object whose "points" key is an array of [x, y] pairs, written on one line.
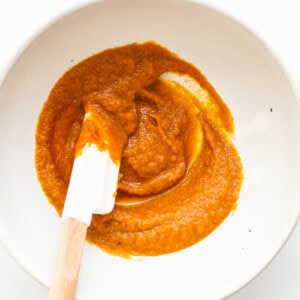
{"points": [[68, 260]]}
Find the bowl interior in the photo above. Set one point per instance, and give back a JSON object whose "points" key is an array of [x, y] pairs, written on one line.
{"points": [[266, 115]]}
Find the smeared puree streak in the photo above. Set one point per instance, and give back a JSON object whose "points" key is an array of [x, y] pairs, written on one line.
{"points": [[180, 174]]}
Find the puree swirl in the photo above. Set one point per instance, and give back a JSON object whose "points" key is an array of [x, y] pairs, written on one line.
{"points": [[180, 174]]}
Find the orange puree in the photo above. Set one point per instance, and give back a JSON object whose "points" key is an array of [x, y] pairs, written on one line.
{"points": [[180, 174]]}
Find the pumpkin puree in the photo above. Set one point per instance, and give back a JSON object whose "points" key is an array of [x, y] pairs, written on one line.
{"points": [[180, 174]]}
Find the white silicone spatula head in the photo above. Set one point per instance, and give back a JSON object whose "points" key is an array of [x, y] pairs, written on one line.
{"points": [[92, 186]]}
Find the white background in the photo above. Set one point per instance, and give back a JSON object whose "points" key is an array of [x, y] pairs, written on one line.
{"points": [[277, 22]]}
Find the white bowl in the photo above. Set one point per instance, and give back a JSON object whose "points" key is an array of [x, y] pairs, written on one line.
{"points": [[264, 106]]}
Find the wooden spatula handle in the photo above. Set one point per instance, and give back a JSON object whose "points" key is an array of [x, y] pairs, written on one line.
{"points": [[68, 260]]}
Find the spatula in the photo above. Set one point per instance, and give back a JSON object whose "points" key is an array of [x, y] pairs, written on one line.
{"points": [[91, 190]]}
